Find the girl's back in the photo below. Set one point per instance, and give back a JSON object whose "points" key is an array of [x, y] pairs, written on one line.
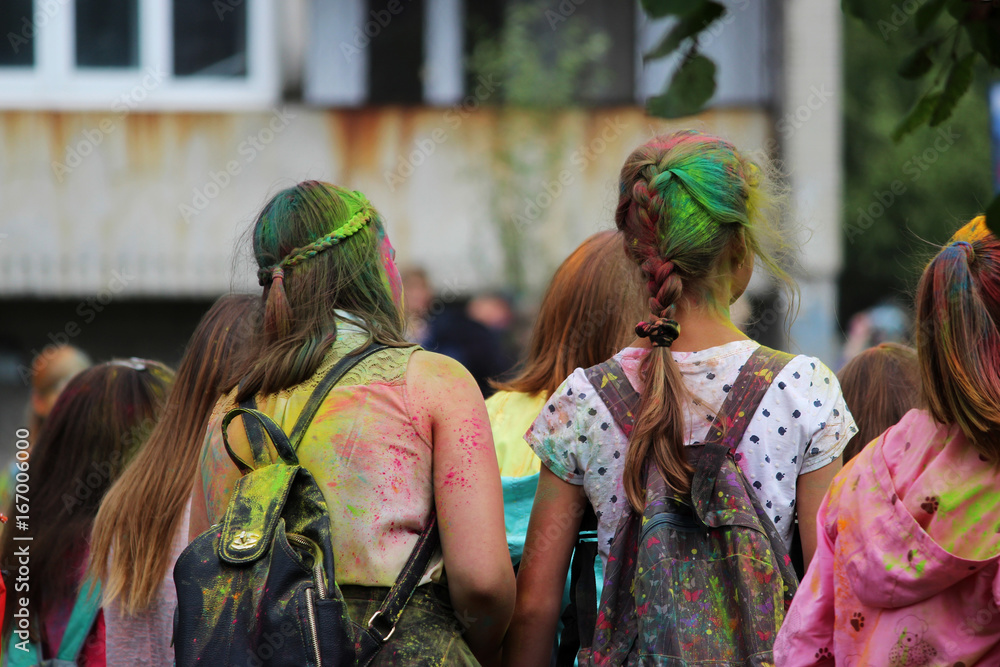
{"points": [[801, 426], [369, 454]]}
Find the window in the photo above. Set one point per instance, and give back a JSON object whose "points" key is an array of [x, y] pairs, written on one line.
{"points": [[107, 33], [17, 28], [148, 54], [208, 42], [417, 51]]}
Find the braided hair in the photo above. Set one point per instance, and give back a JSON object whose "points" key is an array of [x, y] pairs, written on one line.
{"points": [[687, 201], [317, 247]]}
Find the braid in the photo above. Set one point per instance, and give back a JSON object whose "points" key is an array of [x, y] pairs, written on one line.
{"points": [[684, 205], [299, 255]]}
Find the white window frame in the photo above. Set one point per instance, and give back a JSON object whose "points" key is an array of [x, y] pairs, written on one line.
{"points": [[54, 82]]}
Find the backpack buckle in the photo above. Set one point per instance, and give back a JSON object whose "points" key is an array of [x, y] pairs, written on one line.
{"points": [[383, 637]]}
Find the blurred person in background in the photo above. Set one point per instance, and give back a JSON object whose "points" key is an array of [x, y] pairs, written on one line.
{"points": [[885, 323], [129, 553], [417, 300], [51, 370], [95, 427], [880, 385]]}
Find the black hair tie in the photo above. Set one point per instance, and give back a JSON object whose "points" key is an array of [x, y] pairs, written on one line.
{"points": [[661, 332]]}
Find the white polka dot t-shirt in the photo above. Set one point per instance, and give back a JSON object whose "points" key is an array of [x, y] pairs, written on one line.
{"points": [[802, 424]]}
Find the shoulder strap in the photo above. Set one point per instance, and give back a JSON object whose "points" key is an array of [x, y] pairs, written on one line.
{"points": [[81, 620], [580, 616], [382, 624], [733, 418], [286, 449], [616, 391]]}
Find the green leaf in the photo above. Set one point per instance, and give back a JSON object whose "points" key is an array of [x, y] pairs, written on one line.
{"points": [[659, 8], [917, 116], [691, 88], [688, 26], [917, 63], [959, 80], [926, 15], [993, 216]]}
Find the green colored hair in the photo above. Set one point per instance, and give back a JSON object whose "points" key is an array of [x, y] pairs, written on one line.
{"points": [[331, 272]]}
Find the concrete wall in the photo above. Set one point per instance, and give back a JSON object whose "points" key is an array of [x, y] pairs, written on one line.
{"points": [[153, 205]]}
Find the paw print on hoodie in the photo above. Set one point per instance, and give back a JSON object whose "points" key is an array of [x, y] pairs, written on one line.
{"points": [[911, 649]]}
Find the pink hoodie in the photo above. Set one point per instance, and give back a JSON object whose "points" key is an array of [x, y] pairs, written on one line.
{"points": [[906, 569]]}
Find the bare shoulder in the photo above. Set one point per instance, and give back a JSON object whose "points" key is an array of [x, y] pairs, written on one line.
{"points": [[439, 383], [431, 369]]}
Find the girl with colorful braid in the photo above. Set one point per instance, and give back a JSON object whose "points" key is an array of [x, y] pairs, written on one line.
{"points": [[405, 433], [695, 215], [907, 572], [128, 553]]}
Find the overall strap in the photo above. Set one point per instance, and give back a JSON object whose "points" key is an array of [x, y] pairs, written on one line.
{"points": [[383, 622], [286, 449], [81, 620]]}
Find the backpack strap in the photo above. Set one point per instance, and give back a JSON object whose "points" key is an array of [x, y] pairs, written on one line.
{"points": [[81, 620], [382, 624], [733, 418], [287, 445], [726, 433], [616, 391], [580, 616]]}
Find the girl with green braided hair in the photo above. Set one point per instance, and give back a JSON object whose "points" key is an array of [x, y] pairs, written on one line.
{"points": [[403, 434], [695, 215]]}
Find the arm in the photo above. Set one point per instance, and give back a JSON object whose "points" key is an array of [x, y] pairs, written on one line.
{"points": [[552, 534], [809, 492], [468, 498]]}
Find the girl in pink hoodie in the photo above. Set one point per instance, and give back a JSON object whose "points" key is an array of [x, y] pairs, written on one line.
{"points": [[906, 570]]}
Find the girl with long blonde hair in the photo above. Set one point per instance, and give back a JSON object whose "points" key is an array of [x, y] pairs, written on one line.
{"points": [[142, 524]]}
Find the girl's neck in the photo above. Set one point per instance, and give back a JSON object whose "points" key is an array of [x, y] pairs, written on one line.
{"points": [[701, 328]]}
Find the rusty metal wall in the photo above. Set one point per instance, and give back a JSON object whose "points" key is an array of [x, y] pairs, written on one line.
{"points": [[153, 205]]}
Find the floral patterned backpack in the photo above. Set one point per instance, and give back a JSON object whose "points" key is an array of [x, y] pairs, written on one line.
{"points": [[696, 580]]}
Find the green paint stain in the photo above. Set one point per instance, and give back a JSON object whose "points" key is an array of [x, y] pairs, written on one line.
{"points": [[355, 511]]}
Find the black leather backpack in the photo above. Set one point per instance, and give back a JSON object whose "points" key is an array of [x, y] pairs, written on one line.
{"points": [[260, 587]]}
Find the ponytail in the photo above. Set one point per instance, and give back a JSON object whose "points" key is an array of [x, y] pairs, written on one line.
{"points": [[958, 341], [277, 311]]}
